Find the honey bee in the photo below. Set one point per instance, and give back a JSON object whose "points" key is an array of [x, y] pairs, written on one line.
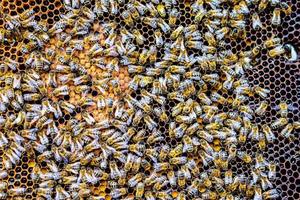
{"points": [[177, 32], [176, 96], [174, 14], [254, 133], [198, 45], [276, 18], [272, 171], [152, 54], [204, 99], [270, 137], [277, 51], [177, 151], [205, 135], [137, 148], [164, 26], [209, 37], [164, 151], [271, 194], [286, 8], [291, 52], [221, 33], [18, 191], [140, 39], [126, 15], [150, 123], [139, 190], [262, 5], [279, 123], [257, 193], [139, 136], [272, 42], [3, 174], [181, 179], [261, 141], [178, 160], [262, 92], [180, 130], [132, 182], [116, 193], [161, 10], [265, 183], [158, 167], [206, 158], [3, 186], [262, 108], [287, 130], [216, 97], [61, 91], [200, 14], [158, 38], [256, 23], [244, 156], [149, 196]]}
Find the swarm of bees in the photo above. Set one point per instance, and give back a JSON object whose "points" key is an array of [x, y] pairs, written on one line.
{"points": [[126, 147]]}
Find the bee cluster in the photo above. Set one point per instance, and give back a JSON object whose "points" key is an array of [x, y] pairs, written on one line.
{"points": [[129, 99]]}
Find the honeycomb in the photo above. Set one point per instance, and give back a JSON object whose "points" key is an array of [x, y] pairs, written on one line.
{"points": [[94, 99]]}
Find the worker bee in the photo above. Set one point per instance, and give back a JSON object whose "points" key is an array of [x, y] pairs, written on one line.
{"points": [[262, 108], [158, 167], [271, 194], [286, 8], [150, 123], [257, 192], [244, 156], [164, 26], [279, 123], [161, 10], [270, 137], [18, 191], [140, 39], [291, 52], [263, 5], [3, 174], [262, 92], [133, 11], [216, 97], [272, 42], [61, 91], [206, 158], [150, 21], [272, 171], [181, 179], [256, 23], [209, 37], [127, 17], [283, 108], [173, 16], [205, 179], [277, 51], [276, 18], [177, 32], [161, 114], [204, 99], [149, 196], [205, 135], [139, 190], [265, 183], [158, 38], [116, 193], [287, 130]]}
